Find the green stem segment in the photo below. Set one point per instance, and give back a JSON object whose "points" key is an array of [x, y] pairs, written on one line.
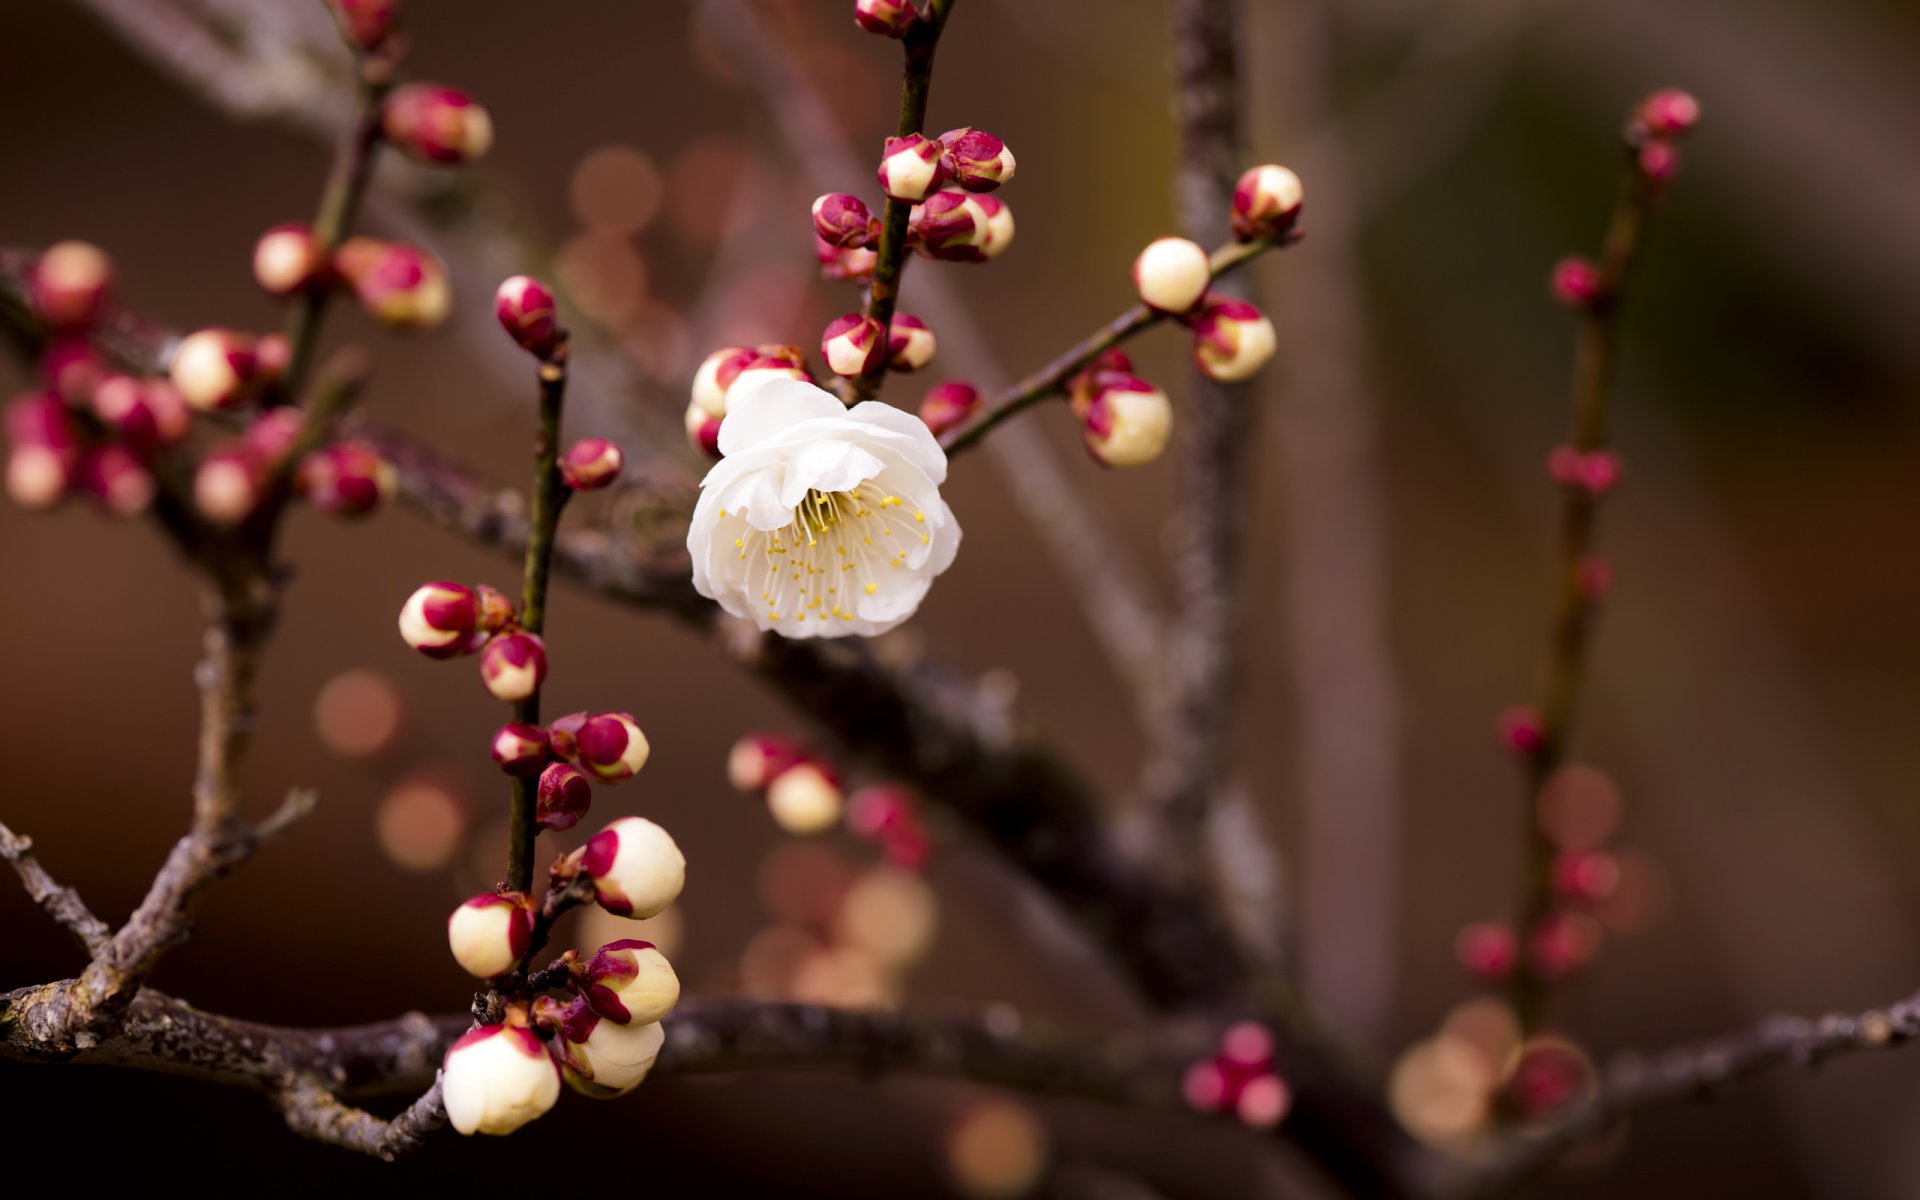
{"points": [[1051, 379], [550, 494], [1593, 374], [891, 260]]}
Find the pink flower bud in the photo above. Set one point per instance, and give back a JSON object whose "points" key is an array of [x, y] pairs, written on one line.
{"points": [[347, 479], [562, 797], [44, 455], [520, 749], [121, 482], [804, 800], [1231, 338], [401, 286], [703, 430], [909, 168], [71, 285], [1487, 950], [1266, 202], [215, 369], [366, 23], [513, 666], [975, 159], [143, 414], [611, 746], [270, 436], [1521, 731], [844, 222], [1172, 275], [847, 266], [628, 981], [70, 367], [288, 259], [1659, 161], [489, 934], [564, 735], [1586, 876], [1595, 472], [591, 463], [434, 123], [440, 620], [495, 609], [756, 758], [1547, 1075], [274, 352], [498, 1078], [910, 343], [1576, 282], [526, 309], [1205, 1086], [949, 405], [877, 808], [604, 1058], [1562, 943], [853, 344], [226, 484], [635, 867], [1126, 422], [716, 375], [906, 846], [888, 18], [1669, 112], [1263, 1101]]}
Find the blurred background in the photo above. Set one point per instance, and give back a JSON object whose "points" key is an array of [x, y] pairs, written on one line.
{"points": [[1755, 693]]}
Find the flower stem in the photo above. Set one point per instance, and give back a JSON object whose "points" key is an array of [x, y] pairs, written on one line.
{"points": [[1051, 379]]}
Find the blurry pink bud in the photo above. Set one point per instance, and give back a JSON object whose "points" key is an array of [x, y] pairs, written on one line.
{"points": [[273, 352], [71, 367], [440, 620], [44, 455], [948, 405], [347, 479], [215, 369], [143, 414], [1247, 1044], [844, 221], [71, 285], [715, 377], [526, 309], [1172, 275], [1576, 282], [703, 430], [1669, 112], [628, 981], [874, 809], [611, 746], [951, 225], [271, 435], [591, 463], [513, 666], [756, 758], [853, 344], [562, 797], [772, 362], [1549, 1074], [495, 610], [1659, 161], [366, 23], [1487, 950], [909, 168], [1263, 1101], [1205, 1086], [1595, 472], [604, 1059], [906, 846], [498, 1078], [1266, 202], [975, 159], [489, 934], [226, 484], [120, 481], [434, 123], [1521, 731], [805, 800], [1231, 338], [288, 259], [636, 868], [910, 343], [401, 286], [888, 18], [563, 734], [847, 266], [520, 749], [1586, 875], [1127, 421], [1563, 943]]}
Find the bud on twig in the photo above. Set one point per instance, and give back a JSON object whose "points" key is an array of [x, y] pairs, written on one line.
{"points": [[844, 222], [143, 414], [71, 285], [975, 160], [563, 734], [611, 747], [1266, 202], [1172, 275], [215, 369], [603, 1058], [591, 463], [910, 343], [498, 1078], [853, 344], [562, 797], [434, 123], [756, 758], [44, 452], [628, 981], [910, 168], [347, 479], [1231, 338], [489, 934], [948, 405], [847, 266], [636, 868], [1669, 112], [441, 620], [117, 479], [226, 484], [805, 800], [526, 309], [496, 612], [70, 367], [366, 23], [513, 666], [288, 259], [1126, 421], [1521, 732], [888, 18], [1487, 950], [1576, 282], [521, 749], [401, 286]]}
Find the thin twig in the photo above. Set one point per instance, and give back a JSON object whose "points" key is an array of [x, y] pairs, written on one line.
{"points": [[313, 1111], [63, 904]]}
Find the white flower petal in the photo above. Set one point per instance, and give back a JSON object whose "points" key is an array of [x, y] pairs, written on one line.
{"points": [[763, 409]]}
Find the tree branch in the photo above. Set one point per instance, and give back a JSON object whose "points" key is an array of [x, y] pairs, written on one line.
{"points": [[312, 1111], [63, 904]]}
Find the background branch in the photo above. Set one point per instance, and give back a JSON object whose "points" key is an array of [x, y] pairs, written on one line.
{"points": [[63, 904]]}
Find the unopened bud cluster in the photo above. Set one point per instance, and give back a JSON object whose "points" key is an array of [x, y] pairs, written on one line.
{"points": [[1124, 420], [801, 789], [741, 367], [1240, 1078]]}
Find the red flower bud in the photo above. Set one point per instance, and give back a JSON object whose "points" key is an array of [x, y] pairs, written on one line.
{"points": [[1266, 202], [1595, 472], [1548, 1074], [71, 285], [215, 369], [226, 484], [1576, 282], [526, 309], [948, 405], [70, 367], [1586, 876], [1521, 731], [910, 168], [853, 344], [1172, 275], [703, 430], [628, 981], [120, 481], [440, 620], [143, 414], [520, 749], [591, 463], [513, 666], [271, 435], [847, 266], [1669, 112], [564, 733], [347, 479], [1562, 943], [636, 868], [844, 222], [489, 934], [910, 343], [1126, 421], [401, 286], [611, 746], [44, 455], [888, 18], [562, 797], [288, 259], [495, 610], [756, 758], [1487, 950], [436, 124], [1231, 338], [975, 159], [366, 23], [1659, 161]]}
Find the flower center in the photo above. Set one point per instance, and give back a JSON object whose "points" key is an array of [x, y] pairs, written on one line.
{"points": [[839, 545]]}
